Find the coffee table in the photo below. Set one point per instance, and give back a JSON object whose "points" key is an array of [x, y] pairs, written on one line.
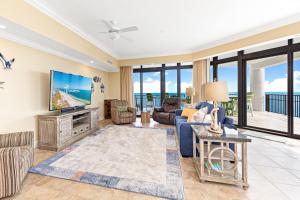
{"points": [[215, 161]]}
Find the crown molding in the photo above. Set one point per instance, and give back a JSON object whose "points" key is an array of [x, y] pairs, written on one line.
{"points": [[44, 9]]}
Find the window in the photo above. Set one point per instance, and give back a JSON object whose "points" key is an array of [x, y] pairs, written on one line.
{"points": [[171, 83], [229, 72], [186, 81], [151, 84]]}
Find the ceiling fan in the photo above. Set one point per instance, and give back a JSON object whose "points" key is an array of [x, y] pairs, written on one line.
{"points": [[114, 32]]}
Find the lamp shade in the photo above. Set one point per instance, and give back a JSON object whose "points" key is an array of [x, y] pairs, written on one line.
{"points": [[216, 91], [190, 91]]}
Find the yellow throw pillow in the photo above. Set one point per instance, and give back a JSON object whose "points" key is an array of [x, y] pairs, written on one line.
{"points": [[188, 112]]}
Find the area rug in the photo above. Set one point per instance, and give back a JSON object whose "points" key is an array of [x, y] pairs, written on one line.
{"points": [[142, 160]]}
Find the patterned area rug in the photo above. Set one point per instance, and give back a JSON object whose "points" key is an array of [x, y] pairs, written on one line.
{"points": [[142, 160]]}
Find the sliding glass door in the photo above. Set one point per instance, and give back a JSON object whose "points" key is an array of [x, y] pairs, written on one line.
{"points": [[266, 83], [267, 93], [151, 90], [296, 95], [137, 92]]}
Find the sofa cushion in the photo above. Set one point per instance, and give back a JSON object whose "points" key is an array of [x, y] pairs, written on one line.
{"points": [[199, 115], [122, 108], [126, 114], [188, 112], [221, 112], [164, 115]]}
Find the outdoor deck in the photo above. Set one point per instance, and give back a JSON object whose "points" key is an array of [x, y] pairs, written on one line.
{"points": [[270, 120]]}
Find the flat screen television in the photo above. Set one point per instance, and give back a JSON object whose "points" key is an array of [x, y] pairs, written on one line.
{"points": [[69, 91]]}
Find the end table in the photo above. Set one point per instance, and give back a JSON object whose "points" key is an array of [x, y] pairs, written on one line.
{"points": [[215, 161]]}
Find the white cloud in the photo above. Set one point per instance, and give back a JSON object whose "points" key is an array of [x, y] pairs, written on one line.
{"points": [[148, 87], [280, 84], [149, 79], [184, 85]]}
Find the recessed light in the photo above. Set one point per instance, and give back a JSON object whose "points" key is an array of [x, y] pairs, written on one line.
{"points": [[91, 61], [2, 26]]}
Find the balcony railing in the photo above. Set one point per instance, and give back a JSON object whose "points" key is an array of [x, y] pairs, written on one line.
{"points": [[156, 99], [277, 103]]}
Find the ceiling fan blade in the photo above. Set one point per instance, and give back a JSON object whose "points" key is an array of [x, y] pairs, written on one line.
{"points": [[108, 24], [103, 32], [128, 29]]}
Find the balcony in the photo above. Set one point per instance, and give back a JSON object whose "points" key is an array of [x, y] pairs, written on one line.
{"points": [[274, 115]]}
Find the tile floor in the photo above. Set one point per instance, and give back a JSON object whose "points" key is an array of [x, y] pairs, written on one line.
{"points": [[274, 173]]}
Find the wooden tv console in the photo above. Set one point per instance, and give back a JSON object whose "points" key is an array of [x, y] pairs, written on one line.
{"points": [[59, 130]]}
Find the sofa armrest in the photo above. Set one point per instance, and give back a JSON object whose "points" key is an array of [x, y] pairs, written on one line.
{"points": [[228, 121], [158, 109], [172, 111], [10, 174], [17, 139], [131, 109], [178, 112]]}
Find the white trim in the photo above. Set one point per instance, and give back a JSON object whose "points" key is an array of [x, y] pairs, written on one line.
{"points": [[41, 7]]}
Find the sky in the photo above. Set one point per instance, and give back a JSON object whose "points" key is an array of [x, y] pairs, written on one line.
{"points": [[275, 77], [152, 81]]}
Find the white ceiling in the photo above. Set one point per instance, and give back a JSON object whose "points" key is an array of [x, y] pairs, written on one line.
{"points": [[170, 26]]}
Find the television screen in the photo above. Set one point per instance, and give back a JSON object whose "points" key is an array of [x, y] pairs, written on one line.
{"points": [[69, 90]]}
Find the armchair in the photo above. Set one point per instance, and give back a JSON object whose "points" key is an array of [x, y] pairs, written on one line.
{"points": [[119, 117], [166, 113], [16, 153]]}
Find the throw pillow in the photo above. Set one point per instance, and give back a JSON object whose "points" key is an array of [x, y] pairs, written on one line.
{"points": [[122, 108], [200, 115], [188, 112], [207, 119]]}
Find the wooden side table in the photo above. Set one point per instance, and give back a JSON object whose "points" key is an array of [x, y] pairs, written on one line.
{"points": [[145, 117], [215, 161], [107, 108]]}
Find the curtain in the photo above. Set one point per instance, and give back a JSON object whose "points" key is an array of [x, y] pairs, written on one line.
{"points": [[126, 84], [200, 78]]}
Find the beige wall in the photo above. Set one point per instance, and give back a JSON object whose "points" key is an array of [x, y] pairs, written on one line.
{"points": [[26, 91], [114, 85]]}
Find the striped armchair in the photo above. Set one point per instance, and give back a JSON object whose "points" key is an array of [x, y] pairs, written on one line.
{"points": [[16, 157], [122, 117]]}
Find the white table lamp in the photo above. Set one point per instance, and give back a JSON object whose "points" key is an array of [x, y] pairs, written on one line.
{"points": [[216, 92]]}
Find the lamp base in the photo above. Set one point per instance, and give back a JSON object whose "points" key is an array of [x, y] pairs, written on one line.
{"points": [[220, 131]]}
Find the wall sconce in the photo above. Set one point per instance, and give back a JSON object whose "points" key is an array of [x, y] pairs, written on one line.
{"points": [[97, 79], [6, 63], [1, 83], [102, 88]]}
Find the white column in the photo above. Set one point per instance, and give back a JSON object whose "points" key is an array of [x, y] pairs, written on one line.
{"points": [[257, 86]]}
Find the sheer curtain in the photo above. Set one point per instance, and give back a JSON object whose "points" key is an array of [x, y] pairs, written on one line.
{"points": [[200, 78], [126, 84]]}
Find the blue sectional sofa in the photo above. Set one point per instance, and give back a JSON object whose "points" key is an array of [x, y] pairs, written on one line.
{"points": [[184, 129]]}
